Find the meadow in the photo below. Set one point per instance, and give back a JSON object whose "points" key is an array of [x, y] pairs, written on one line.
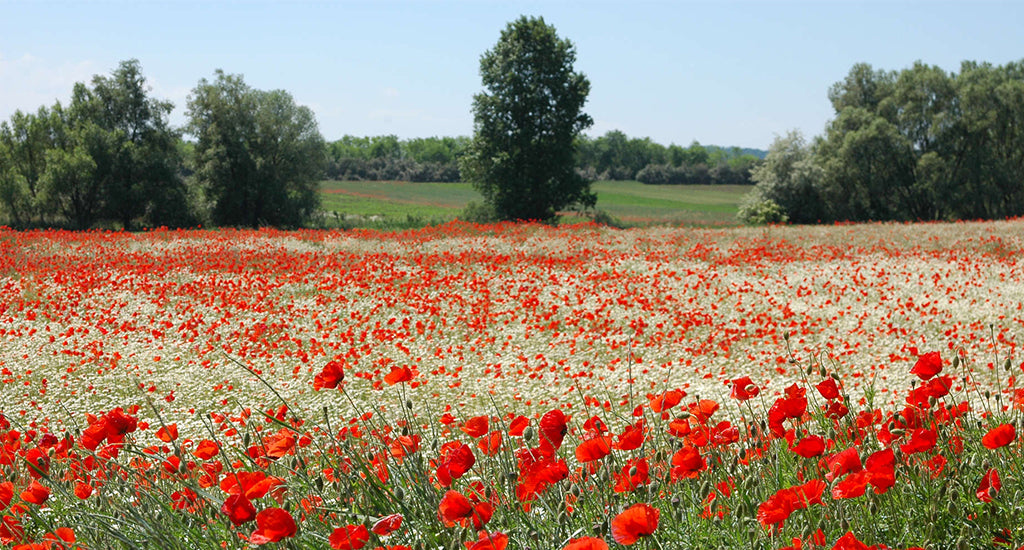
{"points": [[513, 386], [393, 203]]}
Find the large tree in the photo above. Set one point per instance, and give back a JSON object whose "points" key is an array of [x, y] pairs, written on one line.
{"points": [[523, 155], [258, 154]]}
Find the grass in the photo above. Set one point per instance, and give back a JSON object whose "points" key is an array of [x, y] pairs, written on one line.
{"points": [[377, 203]]}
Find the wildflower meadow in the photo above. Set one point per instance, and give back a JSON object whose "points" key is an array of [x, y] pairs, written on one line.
{"points": [[513, 386]]}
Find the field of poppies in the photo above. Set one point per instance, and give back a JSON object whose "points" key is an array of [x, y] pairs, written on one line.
{"points": [[513, 386]]}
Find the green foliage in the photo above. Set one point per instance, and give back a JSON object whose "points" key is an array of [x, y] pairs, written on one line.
{"points": [[755, 209], [523, 154], [787, 180], [478, 212], [258, 154], [615, 156]]}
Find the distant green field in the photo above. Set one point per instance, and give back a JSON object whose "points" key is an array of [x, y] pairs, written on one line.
{"points": [[376, 202]]}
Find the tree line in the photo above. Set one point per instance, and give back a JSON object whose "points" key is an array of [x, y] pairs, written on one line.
{"points": [[613, 156], [111, 158], [917, 144]]}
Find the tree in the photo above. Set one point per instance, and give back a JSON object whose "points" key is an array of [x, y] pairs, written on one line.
{"points": [[258, 155], [523, 154], [139, 173]]}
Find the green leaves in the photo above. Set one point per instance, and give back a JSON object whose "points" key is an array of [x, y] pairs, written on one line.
{"points": [[259, 156], [523, 155]]}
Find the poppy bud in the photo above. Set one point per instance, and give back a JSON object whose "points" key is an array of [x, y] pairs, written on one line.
{"points": [[408, 404], [528, 434], [399, 493], [810, 369], [956, 361], [1007, 365]]}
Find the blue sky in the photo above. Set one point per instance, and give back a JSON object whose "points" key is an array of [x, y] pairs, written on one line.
{"points": [[725, 73]]}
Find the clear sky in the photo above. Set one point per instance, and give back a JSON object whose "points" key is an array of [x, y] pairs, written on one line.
{"points": [[724, 73]]}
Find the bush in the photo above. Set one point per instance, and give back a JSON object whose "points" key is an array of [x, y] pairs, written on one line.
{"points": [[477, 212], [755, 210]]}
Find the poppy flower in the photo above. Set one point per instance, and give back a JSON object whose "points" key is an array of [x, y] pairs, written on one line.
{"points": [[332, 374], [82, 491], [927, 365], [594, 449], [810, 446], [538, 470], [398, 374], [238, 509], [273, 525], [476, 426], [743, 388], [1000, 436], [687, 463], [206, 450], [35, 493], [518, 426], [989, 486], [850, 542], [453, 508], [842, 463], [167, 433], [349, 537], [851, 486], [456, 459], [921, 440], [639, 520], [553, 427], [632, 436], [6, 494], [488, 541], [666, 400], [491, 444], [387, 525], [635, 473], [828, 388], [882, 467], [586, 543]]}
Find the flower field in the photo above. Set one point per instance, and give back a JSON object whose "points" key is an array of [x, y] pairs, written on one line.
{"points": [[513, 386]]}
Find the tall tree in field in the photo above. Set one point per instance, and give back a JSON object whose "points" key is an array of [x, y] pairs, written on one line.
{"points": [[522, 158], [139, 174], [258, 154]]}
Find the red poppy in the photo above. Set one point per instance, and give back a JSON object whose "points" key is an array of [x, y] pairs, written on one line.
{"points": [[828, 388], [280, 444], [167, 433], [453, 508], [518, 426], [238, 509], [538, 470], [206, 450], [810, 446], [639, 520], [850, 542], [387, 525], [349, 537], [594, 449], [553, 427], [1000, 436], [882, 467], [399, 374], [586, 543], [666, 401], [332, 374], [38, 462], [491, 444], [704, 409], [687, 463], [743, 388], [35, 493], [927, 365], [456, 459], [635, 473], [851, 486], [488, 541], [476, 426], [632, 437], [842, 463], [921, 440], [6, 494], [82, 491], [273, 525], [989, 486], [250, 484], [404, 445]]}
